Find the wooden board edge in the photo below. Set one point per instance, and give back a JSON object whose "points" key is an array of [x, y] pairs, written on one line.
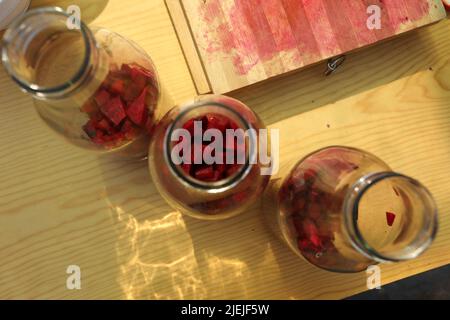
{"points": [[190, 51]]}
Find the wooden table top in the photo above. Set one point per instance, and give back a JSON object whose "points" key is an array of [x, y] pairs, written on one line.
{"points": [[60, 206]]}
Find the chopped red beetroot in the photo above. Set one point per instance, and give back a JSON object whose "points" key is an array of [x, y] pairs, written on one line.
{"points": [[189, 126], [90, 128], [186, 168], [118, 87], [104, 125], [314, 210], [217, 171], [137, 72], [390, 218], [205, 174], [135, 110], [111, 123], [102, 97], [217, 122], [89, 107], [309, 175], [114, 110]]}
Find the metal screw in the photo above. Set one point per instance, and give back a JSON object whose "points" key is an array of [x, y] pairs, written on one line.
{"points": [[333, 64]]}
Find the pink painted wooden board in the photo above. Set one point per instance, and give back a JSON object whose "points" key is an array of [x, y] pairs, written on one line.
{"points": [[241, 42]]}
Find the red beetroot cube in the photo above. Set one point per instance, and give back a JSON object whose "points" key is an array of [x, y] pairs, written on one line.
{"points": [[89, 107], [189, 126], [102, 97], [90, 128], [390, 218], [137, 72], [216, 171], [114, 110], [186, 168], [104, 125], [314, 211], [310, 175], [139, 80], [217, 122], [136, 110], [150, 125], [128, 129], [205, 174], [118, 87], [125, 68]]}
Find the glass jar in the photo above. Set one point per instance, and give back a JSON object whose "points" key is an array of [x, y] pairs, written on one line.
{"points": [[95, 88], [214, 189], [10, 10], [344, 209]]}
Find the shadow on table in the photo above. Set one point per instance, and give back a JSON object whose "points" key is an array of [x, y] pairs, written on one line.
{"points": [[363, 70], [430, 285], [90, 9]]}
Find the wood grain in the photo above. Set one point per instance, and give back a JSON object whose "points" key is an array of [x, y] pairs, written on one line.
{"points": [[235, 43], [61, 206]]}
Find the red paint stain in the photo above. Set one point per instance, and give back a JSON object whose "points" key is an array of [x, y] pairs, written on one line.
{"points": [[281, 32], [386, 26], [358, 21], [321, 27], [404, 12], [258, 24], [254, 32], [301, 29]]}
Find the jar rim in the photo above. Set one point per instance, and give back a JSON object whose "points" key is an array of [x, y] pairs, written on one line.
{"points": [[88, 40], [357, 239], [215, 186]]}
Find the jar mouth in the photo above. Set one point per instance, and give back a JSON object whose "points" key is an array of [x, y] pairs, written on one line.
{"points": [[213, 186], [409, 228], [19, 35]]}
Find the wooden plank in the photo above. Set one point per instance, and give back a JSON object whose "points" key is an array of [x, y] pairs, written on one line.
{"points": [[190, 50], [242, 42]]}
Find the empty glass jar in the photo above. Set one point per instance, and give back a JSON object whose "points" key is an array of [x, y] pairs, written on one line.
{"points": [[234, 176], [344, 209], [95, 88]]}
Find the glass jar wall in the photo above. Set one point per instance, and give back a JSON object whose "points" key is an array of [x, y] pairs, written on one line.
{"points": [[92, 86], [216, 189], [344, 209]]}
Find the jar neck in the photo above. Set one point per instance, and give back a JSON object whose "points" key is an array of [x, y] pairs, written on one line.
{"points": [[46, 57], [198, 110], [389, 217]]}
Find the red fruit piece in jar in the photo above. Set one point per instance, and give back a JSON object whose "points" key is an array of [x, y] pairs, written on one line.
{"points": [[89, 107], [299, 204], [217, 122], [102, 97], [314, 211], [150, 125], [312, 233], [90, 128], [189, 126], [136, 110], [140, 76], [118, 87], [232, 170], [114, 110], [390, 218], [205, 174], [186, 168], [136, 72], [309, 175], [104, 125]]}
